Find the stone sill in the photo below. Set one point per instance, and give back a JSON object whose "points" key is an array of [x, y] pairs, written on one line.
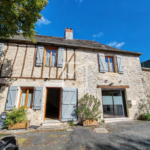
{"points": [[145, 69]]}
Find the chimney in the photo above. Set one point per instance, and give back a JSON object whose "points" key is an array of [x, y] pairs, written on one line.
{"points": [[68, 34]]}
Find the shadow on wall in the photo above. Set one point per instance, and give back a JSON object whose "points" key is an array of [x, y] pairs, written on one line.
{"points": [[5, 69], [143, 107]]}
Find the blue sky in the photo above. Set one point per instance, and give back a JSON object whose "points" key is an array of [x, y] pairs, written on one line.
{"points": [[124, 24]]}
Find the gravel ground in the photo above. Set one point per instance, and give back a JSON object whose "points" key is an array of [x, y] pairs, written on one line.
{"points": [[133, 135]]}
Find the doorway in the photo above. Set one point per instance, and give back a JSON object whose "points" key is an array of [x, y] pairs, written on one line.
{"points": [[113, 104], [52, 105]]}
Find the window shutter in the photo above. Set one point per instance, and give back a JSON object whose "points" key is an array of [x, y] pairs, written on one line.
{"points": [[39, 56], [11, 97], [1, 49], [102, 64], [120, 64], [69, 104], [38, 93], [60, 58]]}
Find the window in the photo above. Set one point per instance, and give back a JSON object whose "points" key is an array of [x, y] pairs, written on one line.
{"points": [[26, 97], [50, 57], [109, 64]]}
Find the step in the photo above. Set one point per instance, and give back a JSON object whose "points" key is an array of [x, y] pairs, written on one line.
{"points": [[109, 120], [53, 123], [54, 127]]}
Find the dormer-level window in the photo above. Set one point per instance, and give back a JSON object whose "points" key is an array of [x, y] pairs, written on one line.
{"points": [[109, 60], [50, 57]]}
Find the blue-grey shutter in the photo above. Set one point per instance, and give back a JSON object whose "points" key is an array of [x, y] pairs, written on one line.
{"points": [[1, 49], [39, 56], [102, 64], [120, 64], [69, 104], [38, 93], [11, 97], [60, 58]]}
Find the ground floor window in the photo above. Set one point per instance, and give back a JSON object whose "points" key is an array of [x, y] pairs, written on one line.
{"points": [[26, 97], [113, 104]]}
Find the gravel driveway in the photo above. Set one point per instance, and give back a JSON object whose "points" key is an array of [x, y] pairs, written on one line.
{"points": [[133, 135]]}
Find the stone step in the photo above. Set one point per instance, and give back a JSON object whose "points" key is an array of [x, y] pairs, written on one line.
{"points": [[109, 120], [54, 127], [53, 123]]}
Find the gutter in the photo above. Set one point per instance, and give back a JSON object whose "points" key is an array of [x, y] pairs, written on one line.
{"points": [[77, 46]]}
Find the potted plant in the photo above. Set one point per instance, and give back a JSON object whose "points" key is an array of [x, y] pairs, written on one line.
{"points": [[89, 110], [16, 119]]}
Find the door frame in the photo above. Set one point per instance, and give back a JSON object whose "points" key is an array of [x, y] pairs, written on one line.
{"points": [[123, 100], [59, 101]]}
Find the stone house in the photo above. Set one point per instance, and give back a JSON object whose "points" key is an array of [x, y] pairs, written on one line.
{"points": [[49, 77]]}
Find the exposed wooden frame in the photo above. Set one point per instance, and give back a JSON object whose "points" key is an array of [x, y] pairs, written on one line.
{"points": [[66, 66], [56, 64], [112, 87], [42, 65], [27, 94], [74, 63], [14, 60], [67, 62], [33, 78], [24, 61], [3, 60], [59, 101], [109, 62], [34, 61]]}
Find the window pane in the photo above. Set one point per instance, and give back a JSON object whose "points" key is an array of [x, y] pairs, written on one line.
{"points": [[30, 96], [23, 97], [111, 64], [47, 57], [53, 58], [107, 67]]}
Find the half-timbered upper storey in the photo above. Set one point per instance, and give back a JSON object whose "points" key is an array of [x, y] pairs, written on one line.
{"points": [[54, 57]]}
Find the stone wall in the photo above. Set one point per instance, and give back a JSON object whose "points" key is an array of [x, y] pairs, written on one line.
{"points": [[87, 78], [146, 80]]}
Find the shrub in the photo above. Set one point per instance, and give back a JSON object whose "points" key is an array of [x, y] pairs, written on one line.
{"points": [[15, 116], [89, 108], [71, 123], [145, 116]]}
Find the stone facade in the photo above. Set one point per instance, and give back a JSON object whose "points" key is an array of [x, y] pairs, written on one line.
{"points": [[146, 80], [87, 77]]}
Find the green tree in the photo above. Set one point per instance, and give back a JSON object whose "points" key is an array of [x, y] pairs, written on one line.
{"points": [[20, 16]]}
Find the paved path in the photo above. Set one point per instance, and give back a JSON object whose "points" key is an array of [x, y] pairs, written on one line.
{"points": [[133, 135]]}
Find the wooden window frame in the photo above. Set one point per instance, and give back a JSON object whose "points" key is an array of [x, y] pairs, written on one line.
{"points": [[50, 48], [109, 63], [27, 93]]}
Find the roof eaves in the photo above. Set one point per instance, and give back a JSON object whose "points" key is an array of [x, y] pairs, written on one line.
{"points": [[95, 48]]}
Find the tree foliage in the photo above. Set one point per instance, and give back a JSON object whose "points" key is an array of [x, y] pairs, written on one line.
{"points": [[20, 16], [89, 108]]}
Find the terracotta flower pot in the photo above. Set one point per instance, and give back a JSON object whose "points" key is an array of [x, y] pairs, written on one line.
{"points": [[22, 125], [90, 122]]}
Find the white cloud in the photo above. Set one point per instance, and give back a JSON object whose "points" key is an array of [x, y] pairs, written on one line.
{"points": [[100, 34], [43, 20], [116, 44]]}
